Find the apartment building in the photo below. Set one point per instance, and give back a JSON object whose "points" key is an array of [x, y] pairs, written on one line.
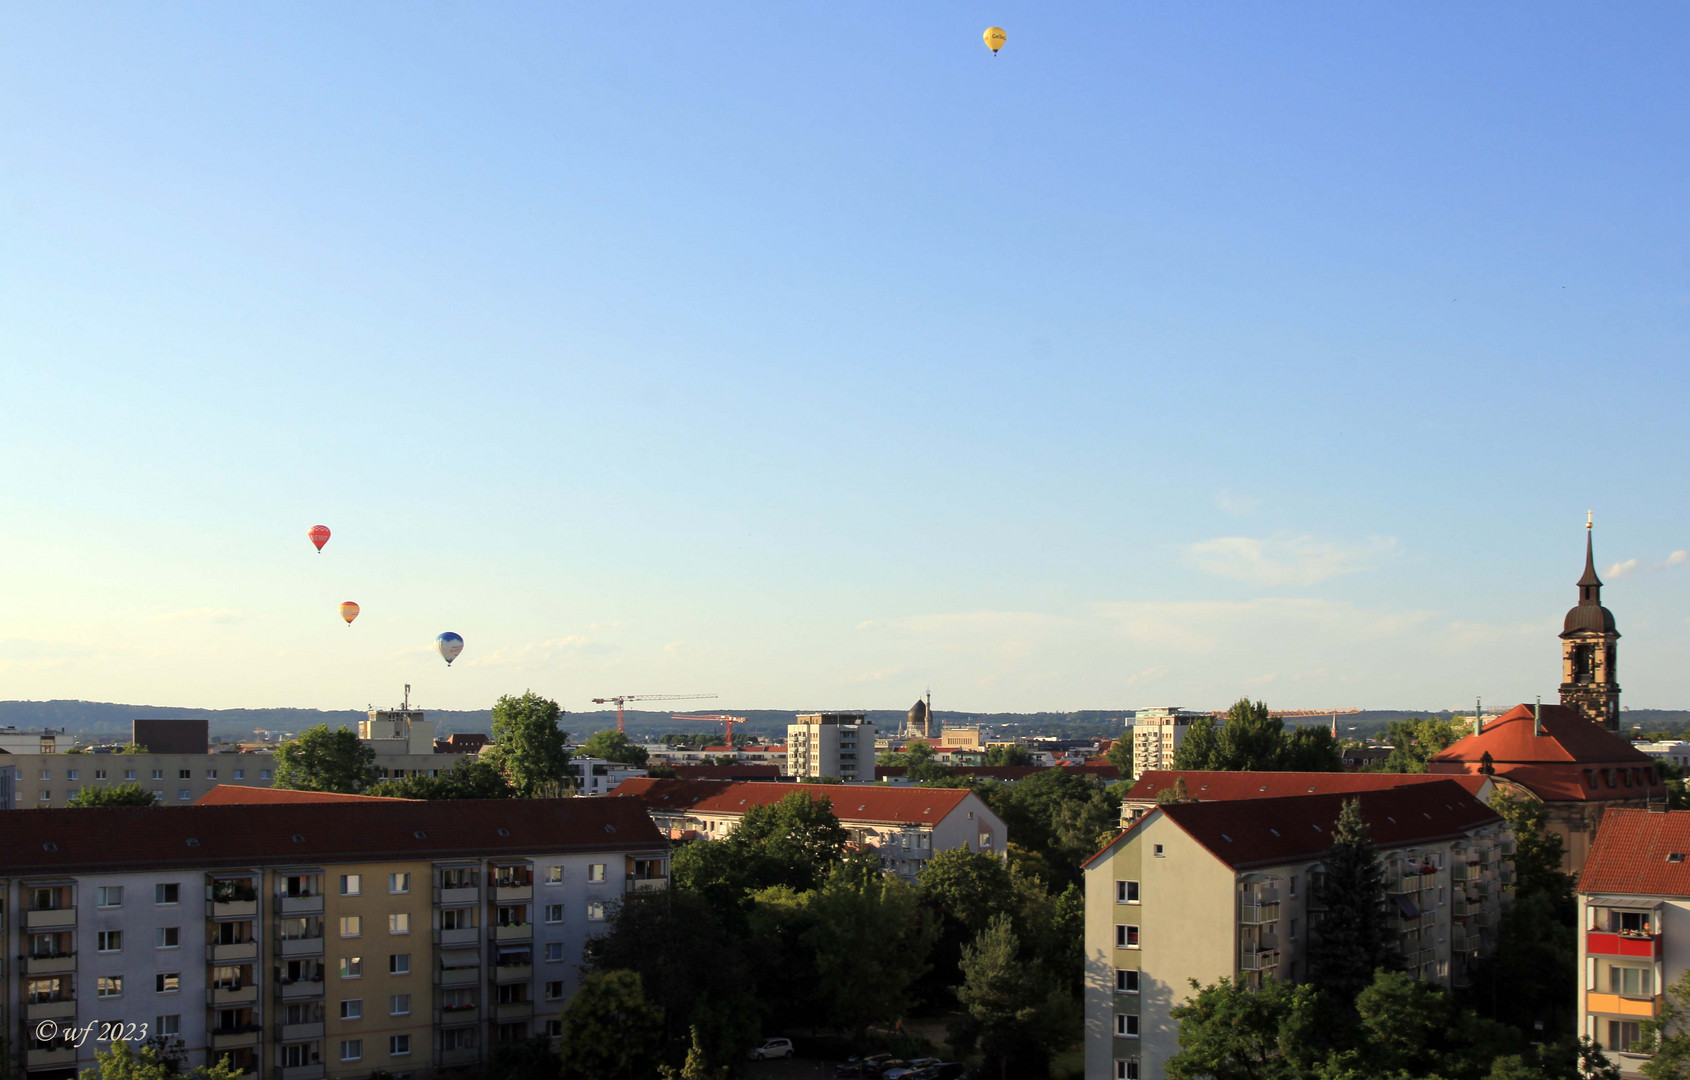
{"points": [[1205, 890], [1634, 919], [1156, 735], [596, 776], [310, 939], [836, 745], [904, 826]]}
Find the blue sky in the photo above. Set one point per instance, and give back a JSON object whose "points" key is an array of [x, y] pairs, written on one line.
{"points": [[812, 356]]}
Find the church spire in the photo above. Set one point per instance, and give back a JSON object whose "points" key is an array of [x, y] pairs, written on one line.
{"points": [[1590, 586]]}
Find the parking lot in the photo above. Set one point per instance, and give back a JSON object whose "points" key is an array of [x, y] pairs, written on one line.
{"points": [[794, 1069]]}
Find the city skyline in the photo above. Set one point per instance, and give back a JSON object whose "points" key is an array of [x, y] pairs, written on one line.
{"points": [[816, 358]]}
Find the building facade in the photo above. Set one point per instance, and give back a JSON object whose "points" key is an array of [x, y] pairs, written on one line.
{"points": [[1205, 890], [835, 745], [1156, 735], [1590, 651], [310, 940]]}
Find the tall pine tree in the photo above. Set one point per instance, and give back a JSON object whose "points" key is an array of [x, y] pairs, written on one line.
{"points": [[1351, 938]]}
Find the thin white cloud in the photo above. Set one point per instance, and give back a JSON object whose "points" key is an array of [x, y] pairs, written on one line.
{"points": [[1239, 505], [535, 654], [1632, 566], [1285, 559]]}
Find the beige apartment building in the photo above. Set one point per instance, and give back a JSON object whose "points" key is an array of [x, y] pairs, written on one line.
{"points": [[1156, 735], [836, 745], [1206, 890], [310, 938]]}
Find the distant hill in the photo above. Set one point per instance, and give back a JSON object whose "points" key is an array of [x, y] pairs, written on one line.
{"points": [[97, 718]]}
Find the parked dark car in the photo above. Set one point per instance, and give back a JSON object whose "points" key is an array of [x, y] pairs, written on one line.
{"points": [[867, 1065], [944, 1070]]}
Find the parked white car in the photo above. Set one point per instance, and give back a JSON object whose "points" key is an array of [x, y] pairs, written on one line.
{"points": [[771, 1048]]}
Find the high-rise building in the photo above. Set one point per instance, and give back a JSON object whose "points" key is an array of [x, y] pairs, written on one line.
{"points": [[1156, 734], [835, 744], [1590, 650]]}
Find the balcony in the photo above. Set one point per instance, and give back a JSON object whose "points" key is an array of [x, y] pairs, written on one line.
{"points": [[1405, 883], [302, 990], [1505, 873], [513, 1010], [57, 1057], [49, 965], [50, 1010], [1255, 914], [466, 894], [1463, 907], [457, 1017], [512, 894], [1465, 941], [514, 932], [638, 885], [1620, 1005], [509, 973], [306, 946], [1507, 846], [466, 935], [1604, 943], [299, 905], [49, 919], [236, 1037], [467, 1056], [233, 903], [219, 996], [1258, 960], [457, 976], [302, 1032], [235, 952], [1465, 872], [300, 1072]]}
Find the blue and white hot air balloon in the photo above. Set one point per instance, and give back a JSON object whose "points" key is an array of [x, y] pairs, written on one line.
{"points": [[450, 645]]}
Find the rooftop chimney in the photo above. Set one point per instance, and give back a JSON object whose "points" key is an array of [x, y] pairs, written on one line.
{"points": [[1478, 717], [1537, 717]]}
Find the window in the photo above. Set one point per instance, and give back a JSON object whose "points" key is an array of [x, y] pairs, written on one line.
{"points": [[1156, 850], [554, 912], [46, 774], [351, 925], [169, 937], [158, 794], [398, 1045], [399, 923], [349, 884], [457, 919], [1293, 933], [1126, 892], [1293, 885], [554, 875], [239, 774], [352, 1008], [352, 967], [158, 774], [99, 774], [595, 911], [1126, 981], [211, 774], [595, 872], [554, 1029], [1631, 982], [554, 990], [1126, 1069], [264, 774], [44, 796], [109, 940], [295, 1055], [399, 883], [184, 795], [168, 1025], [399, 1005], [108, 986], [73, 774], [1621, 1034], [168, 982], [111, 896], [399, 964], [351, 1049], [554, 951], [1126, 937], [1126, 1025], [167, 893], [184, 774], [129, 774]]}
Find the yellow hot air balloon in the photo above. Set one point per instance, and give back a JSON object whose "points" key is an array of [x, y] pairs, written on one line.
{"points": [[994, 38], [349, 611]]}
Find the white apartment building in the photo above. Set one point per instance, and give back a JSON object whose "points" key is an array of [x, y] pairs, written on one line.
{"points": [[1156, 734], [839, 745], [1205, 890], [32, 741], [905, 826], [1673, 753], [596, 776], [1634, 926], [310, 939]]}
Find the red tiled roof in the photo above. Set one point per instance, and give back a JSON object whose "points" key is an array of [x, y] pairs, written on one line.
{"points": [[237, 794], [1572, 761], [727, 772], [1263, 832], [1632, 850], [851, 802], [1206, 786], [66, 841], [1008, 772]]}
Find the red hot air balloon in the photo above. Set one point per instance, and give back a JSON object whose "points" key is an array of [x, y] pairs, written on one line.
{"points": [[319, 535], [349, 611]]}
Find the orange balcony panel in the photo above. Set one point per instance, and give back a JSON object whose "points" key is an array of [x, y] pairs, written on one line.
{"points": [[1615, 1005]]}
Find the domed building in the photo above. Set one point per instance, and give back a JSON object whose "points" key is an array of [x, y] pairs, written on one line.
{"points": [[1590, 650]]}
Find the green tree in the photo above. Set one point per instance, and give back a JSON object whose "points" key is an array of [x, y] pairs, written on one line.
{"points": [[999, 756], [529, 747], [1538, 851], [1413, 741], [470, 778], [1250, 739], [870, 946], [1120, 753], [1007, 1001], [695, 1067], [117, 795], [1667, 1036], [610, 1031], [1310, 748], [1198, 751], [1228, 1031], [613, 745], [799, 838], [119, 1062], [1175, 794], [1057, 814], [325, 759], [1349, 941]]}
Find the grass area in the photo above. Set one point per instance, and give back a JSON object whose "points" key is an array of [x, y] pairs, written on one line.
{"points": [[1070, 1064]]}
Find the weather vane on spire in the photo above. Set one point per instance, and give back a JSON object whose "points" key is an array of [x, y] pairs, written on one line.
{"points": [[1589, 516]]}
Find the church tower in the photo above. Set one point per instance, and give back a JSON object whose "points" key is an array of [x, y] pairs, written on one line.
{"points": [[1590, 650]]}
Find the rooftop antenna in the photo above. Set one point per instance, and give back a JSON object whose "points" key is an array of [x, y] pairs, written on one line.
{"points": [[407, 705]]}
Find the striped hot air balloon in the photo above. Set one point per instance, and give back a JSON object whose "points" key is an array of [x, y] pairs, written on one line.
{"points": [[319, 535], [348, 611]]}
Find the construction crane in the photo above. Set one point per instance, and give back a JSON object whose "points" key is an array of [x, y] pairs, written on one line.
{"points": [[724, 719], [620, 699]]}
